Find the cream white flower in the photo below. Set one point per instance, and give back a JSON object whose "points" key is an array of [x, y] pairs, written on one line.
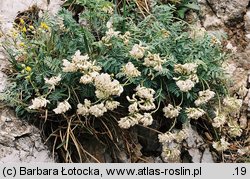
{"points": [[194, 113], [98, 110], [86, 79], [77, 58], [204, 97], [234, 129], [186, 69], [219, 120], [144, 93], [185, 85], [112, 33], [111, 105], [146, 119], [81, 63], [171, 112], [242, 91], [94, 73], [146, 105], [101, 94], [194, 78], [130, 70], [170, 137], [133, 108], [68, 66], [166, 137], [180, 136], [221, 145], [39, 103], [137, 51], [105, 87], [125, 37], [108, 9], [154, 60], [170, 154], [232, 104], [53, 81], [109, 24], [127, 122], [62, 107], [84, 109]]}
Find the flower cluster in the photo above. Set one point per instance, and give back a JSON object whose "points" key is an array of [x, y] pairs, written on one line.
{"points": [[232, 104], [185, 85], [171, 112], [53, 81], [177, 136], [154, 60], [130, 70], [204, 97], [171, 144], [81, 63], [219, 120], [62, 107], [171, 154], [221, 145], [96, 110], [137, 51], [194, 113], [110, 33], [108, 9], [188, 72], [126, 122], [186, 69], [125, 37], [142, 100], [39, 103], [234, 129], [106, 87]]}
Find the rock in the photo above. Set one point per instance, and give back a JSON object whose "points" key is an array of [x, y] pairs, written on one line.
{"points": [[231, 11], [247, 21], [3, 81], [194, 143], [207, 157], [209, 20], [195, 154], [21, 142], [9, 9]]}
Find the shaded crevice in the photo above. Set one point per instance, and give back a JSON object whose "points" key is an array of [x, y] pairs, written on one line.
{"points": [[212, 9]]}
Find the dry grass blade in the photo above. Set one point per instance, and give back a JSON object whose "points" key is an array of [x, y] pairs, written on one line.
{"points": [[143, 6], [79, 147]]}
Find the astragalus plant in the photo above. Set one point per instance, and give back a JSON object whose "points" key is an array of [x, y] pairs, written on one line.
{"points": [[86, 83]]}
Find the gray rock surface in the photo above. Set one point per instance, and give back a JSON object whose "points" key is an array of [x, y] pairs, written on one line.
{"points": [[19, 141], [194, 145], [229, 10]]}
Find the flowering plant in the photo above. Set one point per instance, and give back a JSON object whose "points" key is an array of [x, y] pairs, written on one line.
{"points": [[124, 76]]}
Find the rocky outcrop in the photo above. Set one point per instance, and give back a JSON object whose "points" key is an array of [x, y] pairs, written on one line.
{"points": [[230, 11], [19, 141], [232, 18]]}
